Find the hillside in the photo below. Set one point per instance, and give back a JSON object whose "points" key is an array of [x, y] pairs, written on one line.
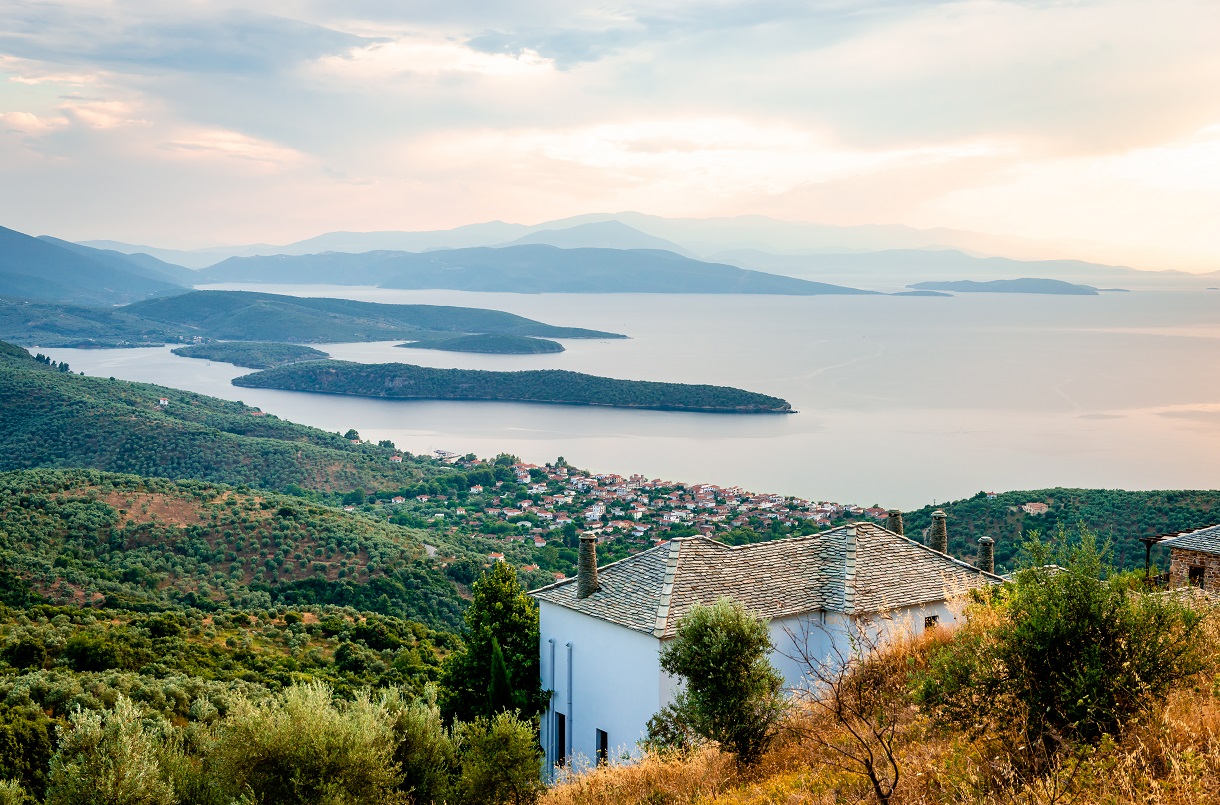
{"points": [[1120, 516], [252, 354], [495, 344], [404, 381], [54, 325], [534, 268], [1025, 285], [38, 270], [247, 316], [54, 418], [87, 537]]}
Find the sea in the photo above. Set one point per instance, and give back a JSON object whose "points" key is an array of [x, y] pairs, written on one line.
{"points": [[902, 401]]}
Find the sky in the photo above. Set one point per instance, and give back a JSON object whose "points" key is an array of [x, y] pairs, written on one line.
{"points": [[198, 123]]}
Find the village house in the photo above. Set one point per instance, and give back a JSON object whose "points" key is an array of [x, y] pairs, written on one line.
{"points": [[1194, 558], [602, 632], [1035, 508]]}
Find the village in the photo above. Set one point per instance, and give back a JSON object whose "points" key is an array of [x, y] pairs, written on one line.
{"points": [[535, 516]]}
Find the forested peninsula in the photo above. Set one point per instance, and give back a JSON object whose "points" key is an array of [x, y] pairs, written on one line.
{"points": [[252, 354], [406, 381], [490, 343]]}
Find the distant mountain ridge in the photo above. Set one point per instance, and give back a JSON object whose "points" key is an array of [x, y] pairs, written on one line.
{"points": [[533, 268], [46, 271], [1023, 285]]}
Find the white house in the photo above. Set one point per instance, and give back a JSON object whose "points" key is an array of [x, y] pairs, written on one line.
{"points": [[602, 632]]}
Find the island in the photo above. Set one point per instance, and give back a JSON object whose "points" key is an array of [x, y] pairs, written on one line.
{"points": [[252, 354], [491, 343], [1023, 285], [408, 382]]}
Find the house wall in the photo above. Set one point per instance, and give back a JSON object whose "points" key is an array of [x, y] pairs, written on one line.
{"points": [[1182, 560], [617, 682]]}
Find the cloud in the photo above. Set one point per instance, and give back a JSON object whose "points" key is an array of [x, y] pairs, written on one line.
{"points": [[231, 41]]}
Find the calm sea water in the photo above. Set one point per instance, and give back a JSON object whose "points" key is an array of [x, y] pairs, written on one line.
{"points": [[902, 401]]}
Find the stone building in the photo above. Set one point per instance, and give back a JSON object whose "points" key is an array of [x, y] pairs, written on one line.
{"points": [[1194, 558]]}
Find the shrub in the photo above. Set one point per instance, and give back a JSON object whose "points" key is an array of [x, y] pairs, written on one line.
{"points": [[424, 749], [108, 757], [12, 794], [1079, 652], [500, 761], [301, 748], [732, 692]]}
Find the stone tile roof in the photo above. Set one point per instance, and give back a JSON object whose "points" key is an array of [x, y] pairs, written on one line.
{"points": [[1204, 540], [651, 591]]}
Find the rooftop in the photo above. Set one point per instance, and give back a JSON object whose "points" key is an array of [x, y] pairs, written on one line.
{"points": [[1204, 540], [651, 591]]}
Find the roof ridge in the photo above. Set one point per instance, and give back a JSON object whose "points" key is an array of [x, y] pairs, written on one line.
{"points": [[667, 588], [571, 579], [932, 550]]}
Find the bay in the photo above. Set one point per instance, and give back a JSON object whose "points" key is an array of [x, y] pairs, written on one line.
{"points": [[901, 400]]}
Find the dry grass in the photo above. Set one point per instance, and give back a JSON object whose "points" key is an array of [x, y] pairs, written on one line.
{"points": [[1171, 759]]}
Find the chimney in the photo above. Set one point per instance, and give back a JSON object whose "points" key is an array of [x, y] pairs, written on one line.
{"points": [[849, 569], [894, 521], [986, 554], [586, 566], [938, 537]]}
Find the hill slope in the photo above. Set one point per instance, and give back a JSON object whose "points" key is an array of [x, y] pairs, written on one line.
{"points": [[56, 419], [519, 269], [1118, 515], [39, 270], [246, 316]]}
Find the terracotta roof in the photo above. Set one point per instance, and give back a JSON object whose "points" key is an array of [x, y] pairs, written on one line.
{"points": [[652, 590], [1204, 540]]}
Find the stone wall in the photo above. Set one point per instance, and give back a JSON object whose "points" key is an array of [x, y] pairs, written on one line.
{"points": [[1181, 561]]}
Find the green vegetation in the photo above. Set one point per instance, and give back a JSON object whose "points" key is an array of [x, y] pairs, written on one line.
{"points": [[732, 693], [81, 536], [1119, 516], [50, 418], [496, 670], [405, 381], [247, 316], [1076, 653], [252, 354], [244, 316], [496, 344]]}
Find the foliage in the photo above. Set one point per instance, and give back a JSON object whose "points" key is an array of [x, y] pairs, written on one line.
{"points": [[498, 344], [303, 748], [52, 419], [500, 617], [108, 759], [405, 381], [500, 761], [80, 535], [732, 693], [252, 354], [426, 752], [1075, 653], [1121, 517], [11, 793]]}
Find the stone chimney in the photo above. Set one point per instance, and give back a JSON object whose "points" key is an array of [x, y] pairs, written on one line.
{"points": [[894, 521], [938, 537], [586, 566], [986, 554]]}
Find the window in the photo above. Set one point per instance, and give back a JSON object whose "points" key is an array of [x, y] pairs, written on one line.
{"points": [[561, 739], [930, 622], [1195, 576], [603, 747]]}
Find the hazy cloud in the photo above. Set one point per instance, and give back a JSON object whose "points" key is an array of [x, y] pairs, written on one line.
{"points": [[203, 121]]}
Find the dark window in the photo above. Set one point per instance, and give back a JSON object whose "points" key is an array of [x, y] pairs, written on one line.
{"points": [[603, 747], [930, 621], [1195, 576], [561, 740]]}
